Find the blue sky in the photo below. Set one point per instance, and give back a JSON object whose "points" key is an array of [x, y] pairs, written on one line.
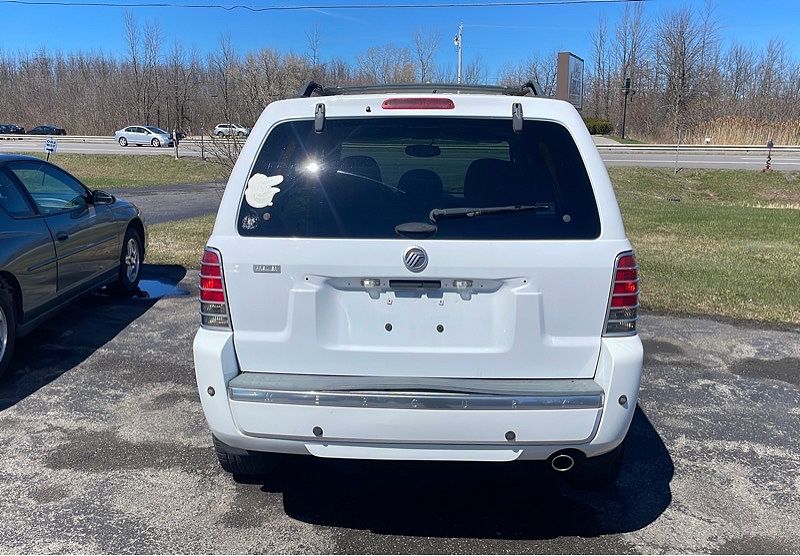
{"points": [[499, 34]]}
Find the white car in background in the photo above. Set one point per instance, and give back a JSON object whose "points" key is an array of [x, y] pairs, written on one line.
{"points": [[420, 273], [143, 135], [224, 130]]}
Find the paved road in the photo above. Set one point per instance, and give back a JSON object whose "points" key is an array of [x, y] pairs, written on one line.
{"points": [[103, 448], [105, 147], [786, 161], [173, 202]]}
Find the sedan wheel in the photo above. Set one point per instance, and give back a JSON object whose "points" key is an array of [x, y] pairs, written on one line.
{"points": [[8, 326], [123, 142], [132, 259], [130, 263], [155, 143], [3, 333]]}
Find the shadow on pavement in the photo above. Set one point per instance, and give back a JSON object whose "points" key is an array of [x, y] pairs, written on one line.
{"points": [[78, 330], [520, 500]]}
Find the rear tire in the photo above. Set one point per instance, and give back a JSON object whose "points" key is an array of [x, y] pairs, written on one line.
{"points": [[243, 463], [8, 326], [130, 263], [599, 471], [220, 134], [123, 142]]}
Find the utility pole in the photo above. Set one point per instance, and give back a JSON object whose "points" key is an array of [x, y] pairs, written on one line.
{"points": [[457, 41], [626, 89], [177, 116]]}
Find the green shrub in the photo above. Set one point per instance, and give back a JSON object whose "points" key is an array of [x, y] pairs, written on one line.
{"points": [[598, 126]]}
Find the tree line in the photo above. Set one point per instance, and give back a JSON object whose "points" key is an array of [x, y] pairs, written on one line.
{"points": [[684, 85], [687, 86]]}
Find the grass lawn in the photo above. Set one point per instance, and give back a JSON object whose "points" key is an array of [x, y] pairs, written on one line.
{"points": [[180, 242], [106, 171], [715, 242], [709, 242]]}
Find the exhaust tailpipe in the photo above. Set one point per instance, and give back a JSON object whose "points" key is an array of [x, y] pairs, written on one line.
{"points": [[562, 463]]}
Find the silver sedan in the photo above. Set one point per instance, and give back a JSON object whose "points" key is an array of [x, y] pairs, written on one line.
{"points": [[143, 135]]}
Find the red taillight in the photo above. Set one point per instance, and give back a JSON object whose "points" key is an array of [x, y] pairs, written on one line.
{"points": [[624, 303], [418, 104], [213, 305]]}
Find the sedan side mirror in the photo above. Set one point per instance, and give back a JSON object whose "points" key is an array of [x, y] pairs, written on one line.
{"points": [[102, 198]]}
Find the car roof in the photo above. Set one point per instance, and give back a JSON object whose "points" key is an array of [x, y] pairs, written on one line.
{"points": [[13, 157]]}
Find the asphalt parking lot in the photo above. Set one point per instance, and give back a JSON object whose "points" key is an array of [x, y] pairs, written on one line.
{"points": [[173, 202], [103, 448]]}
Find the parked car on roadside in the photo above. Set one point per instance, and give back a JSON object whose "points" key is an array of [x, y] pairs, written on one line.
{"points": [[223, 130], [47, 130], [59, 241], [143, 135], [11, 129], [442, 276]]}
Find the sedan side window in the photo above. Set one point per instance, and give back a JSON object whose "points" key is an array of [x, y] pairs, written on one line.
{"points": [[11, 199], [53, 190]]}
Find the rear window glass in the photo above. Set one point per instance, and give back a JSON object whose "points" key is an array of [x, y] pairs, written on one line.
{"points": [[362, 178]]}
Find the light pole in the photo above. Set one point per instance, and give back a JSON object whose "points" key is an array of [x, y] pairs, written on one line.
{"points": [[457, 41], [626, 89]]}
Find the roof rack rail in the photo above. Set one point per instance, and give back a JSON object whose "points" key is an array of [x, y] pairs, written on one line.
{"points": [[312, 88]]}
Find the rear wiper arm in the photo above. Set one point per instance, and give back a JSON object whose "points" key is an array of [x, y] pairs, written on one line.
{"points": [[439, 214]]}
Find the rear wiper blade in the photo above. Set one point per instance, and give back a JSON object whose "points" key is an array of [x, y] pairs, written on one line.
{"points": [[463, 212]]}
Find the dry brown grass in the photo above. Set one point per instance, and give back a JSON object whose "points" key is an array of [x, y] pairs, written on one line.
{"points": [[735, 130]]}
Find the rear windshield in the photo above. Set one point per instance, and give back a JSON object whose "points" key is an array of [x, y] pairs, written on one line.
{"points": [[365, 177]]}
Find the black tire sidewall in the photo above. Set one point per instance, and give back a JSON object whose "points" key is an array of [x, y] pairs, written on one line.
{"points": [[156, 143], [7, 304], [123, 284]]}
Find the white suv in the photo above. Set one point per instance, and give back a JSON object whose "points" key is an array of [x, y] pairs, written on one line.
{"points": [[404, 274]]}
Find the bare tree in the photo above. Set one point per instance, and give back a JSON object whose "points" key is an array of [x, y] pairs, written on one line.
{"points": [[599, 78], [444, 73], [680, 60], [387, 63], [475, 72], [629, 42], [540, 68], [223, 64], [313, 40], [426, 43], [132, 44]]}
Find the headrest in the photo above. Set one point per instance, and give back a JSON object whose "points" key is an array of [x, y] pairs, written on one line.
{"points": [[421, 185], [362, 166], [490, 182]]}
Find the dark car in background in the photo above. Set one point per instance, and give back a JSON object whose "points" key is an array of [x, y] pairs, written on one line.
{"points": [[47, 130], [9, 129], [59, 241]]}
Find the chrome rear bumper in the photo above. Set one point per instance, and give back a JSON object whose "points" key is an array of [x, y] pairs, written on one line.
{"points": [[416, 393]]}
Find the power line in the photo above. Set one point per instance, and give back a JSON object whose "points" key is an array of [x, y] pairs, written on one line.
{"points": [[284, 8]]}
